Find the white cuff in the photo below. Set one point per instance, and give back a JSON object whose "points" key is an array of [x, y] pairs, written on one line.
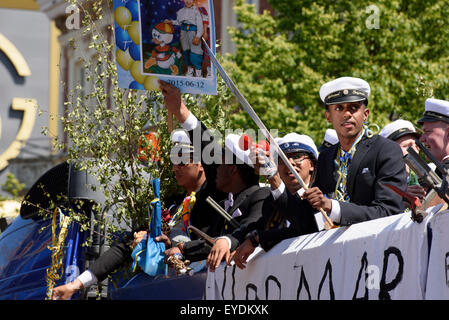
{"points": [[87, 278], [335, 215], [190, 123], [224, 237], [277, 193], [319, 218]]}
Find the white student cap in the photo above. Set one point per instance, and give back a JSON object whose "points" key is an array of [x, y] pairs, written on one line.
{"points": [[330, 138], [181, 142], [397, 129], [232, 144], [294, 142], [435, 110], [343, 90]]}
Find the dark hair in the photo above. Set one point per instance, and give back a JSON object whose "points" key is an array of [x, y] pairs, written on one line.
{"points": [[247, 174]]}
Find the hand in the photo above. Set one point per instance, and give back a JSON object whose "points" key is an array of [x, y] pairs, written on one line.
{"points": [[138, 236], [242, 253], [218, 251], [66, 291], [417, 191], [196, 41], [259, 157], [166, 240], [205, 33], [317, 199], [173, 101], [171, 252]]}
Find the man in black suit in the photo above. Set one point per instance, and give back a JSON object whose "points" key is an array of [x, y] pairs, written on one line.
{"points": [[235, 176], [193, 178], [351, 175], [302, 153]]}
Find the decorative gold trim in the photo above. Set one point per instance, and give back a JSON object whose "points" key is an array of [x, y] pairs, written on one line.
{"points": [[55, 51], [29, 107], [19, 4], [14, 56]]}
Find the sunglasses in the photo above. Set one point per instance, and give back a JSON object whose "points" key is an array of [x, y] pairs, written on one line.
{"points": [[297, 157]]}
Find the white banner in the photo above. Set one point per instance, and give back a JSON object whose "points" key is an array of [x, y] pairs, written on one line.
{"points": [[438, 275], [380, 259]]}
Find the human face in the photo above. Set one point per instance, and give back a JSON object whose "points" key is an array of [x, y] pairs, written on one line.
{"points": [[435, 138], [302, 164], [188, 175], [223, 180], [188, 3], [407, 141], [347, 120]]}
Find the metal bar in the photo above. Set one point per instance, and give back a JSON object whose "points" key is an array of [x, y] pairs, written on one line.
{"points": [[222, 212], [259, 123]]}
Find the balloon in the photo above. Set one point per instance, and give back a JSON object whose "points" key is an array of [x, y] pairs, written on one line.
{"points": [[122, 17], [134, 51], [151, 83], [122, 39], [136, 73], [134, 32], [136, 85], [133, 8], [123, 59]]}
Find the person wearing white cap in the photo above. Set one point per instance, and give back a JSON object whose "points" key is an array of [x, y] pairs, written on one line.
{"points": [[403, 132], [435, 126], [351, 175], [330, 138], [247, 202], [189, 175], [302, 154]]}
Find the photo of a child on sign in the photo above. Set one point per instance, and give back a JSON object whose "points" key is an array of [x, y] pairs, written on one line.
{"points": [[172, 32]]}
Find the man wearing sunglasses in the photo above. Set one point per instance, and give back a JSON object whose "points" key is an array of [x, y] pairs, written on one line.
{"points": [[191, 176], [302, 153]]}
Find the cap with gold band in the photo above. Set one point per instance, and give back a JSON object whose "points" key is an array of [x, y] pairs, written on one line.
{"points": [[435, 110], [181, 142], [345, 90]]}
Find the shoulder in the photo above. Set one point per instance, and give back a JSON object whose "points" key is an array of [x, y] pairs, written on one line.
{"points": [[256, 193], [384, 146]]}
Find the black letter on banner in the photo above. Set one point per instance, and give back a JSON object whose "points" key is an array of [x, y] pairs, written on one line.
{"points": [[303, 281], [233, 282], [386, 287], [446, 266], [331, 287], [364, 264], [272, 278], [224, 281], [254, 288]]}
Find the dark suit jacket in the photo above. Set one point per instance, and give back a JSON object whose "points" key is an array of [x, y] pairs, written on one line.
{"points": [[252, 202], [377, 161]]}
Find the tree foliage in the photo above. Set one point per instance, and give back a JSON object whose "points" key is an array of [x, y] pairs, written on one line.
{"points": [[399, 47], [106, 126]]}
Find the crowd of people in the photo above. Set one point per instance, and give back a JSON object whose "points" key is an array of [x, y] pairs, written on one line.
{"points": [[344, 180]]}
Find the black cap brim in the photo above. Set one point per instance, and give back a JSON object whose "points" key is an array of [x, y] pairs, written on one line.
{"points": [[431, 118], [400, 133], [346, 99]]}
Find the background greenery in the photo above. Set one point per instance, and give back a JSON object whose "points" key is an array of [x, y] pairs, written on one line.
{"points": [[282, 60]]}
